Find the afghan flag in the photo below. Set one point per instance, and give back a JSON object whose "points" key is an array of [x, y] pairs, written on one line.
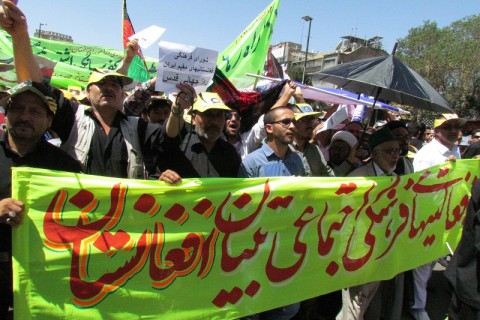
{"points": [[248, 52], [138, 68]]}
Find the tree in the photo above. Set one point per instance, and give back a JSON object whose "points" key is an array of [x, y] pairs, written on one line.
{"points": [[296, 74], [449, 59]]}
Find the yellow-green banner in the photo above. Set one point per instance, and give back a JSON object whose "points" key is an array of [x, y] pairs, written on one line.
{"points": [[104, 248], [248, 52]]}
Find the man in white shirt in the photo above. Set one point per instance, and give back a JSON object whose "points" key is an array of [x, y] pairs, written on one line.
{"points": [[441, 149]]}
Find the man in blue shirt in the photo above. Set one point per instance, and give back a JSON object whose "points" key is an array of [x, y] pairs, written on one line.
{"points": [[273, 159]]}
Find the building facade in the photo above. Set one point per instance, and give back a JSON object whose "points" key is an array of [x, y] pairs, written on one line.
{"points": [[350, 48]]}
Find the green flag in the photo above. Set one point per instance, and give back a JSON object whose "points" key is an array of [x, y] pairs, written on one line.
{"points": [[249, 51]]}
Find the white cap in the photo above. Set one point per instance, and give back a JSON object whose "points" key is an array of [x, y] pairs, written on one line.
{"points": [[345, 136]]}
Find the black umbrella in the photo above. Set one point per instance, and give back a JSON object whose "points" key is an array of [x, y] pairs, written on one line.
{"points": [[386, 78]]}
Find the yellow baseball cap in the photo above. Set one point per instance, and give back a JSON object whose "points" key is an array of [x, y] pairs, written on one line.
{"points": [[307, 111], [209, 100], [98, 75], [37, 88], [449, 118]]}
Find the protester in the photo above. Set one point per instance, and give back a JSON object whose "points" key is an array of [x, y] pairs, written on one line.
{"points": [[441, 149], [247, 141], [102, 138], [385, 154], [359, 131], [387, 302], [416, 132], [428, 134], [400, 131], [473, 149], [205, 153], [474, 136], [251, 138], [158, 109], [303, 131], [273, 159], [463, 270], [328, 305], [342, 153], [29, 113]]}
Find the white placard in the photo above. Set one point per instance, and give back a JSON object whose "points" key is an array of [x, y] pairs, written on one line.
{"points": [[180, 63], [148, 36]]}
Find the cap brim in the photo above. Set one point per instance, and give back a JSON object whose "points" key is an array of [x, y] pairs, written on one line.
{"points": [[212, 107], [299, 116]]}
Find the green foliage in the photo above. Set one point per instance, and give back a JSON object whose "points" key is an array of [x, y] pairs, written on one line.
{"points": [[449, 59], [296, 74]]}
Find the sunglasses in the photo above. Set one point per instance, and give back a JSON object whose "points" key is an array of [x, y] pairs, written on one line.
{"points": [[285, 122], [230, 115]]}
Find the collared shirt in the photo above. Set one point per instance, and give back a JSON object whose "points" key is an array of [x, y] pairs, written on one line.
{"points": [[433, 153], [45, 156], [264, 162], [108, 153], [221, 161]]}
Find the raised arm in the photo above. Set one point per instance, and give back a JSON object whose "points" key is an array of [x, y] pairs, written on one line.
{"points": [[14, 22], [132, 51], [180, 101]]}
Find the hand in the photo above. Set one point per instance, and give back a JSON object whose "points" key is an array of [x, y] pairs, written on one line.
{"points": [[11, 211], [290, 88], [132, 50], [452, 158], [185, 98], [288, 91], [13, 20], [170, 176]]}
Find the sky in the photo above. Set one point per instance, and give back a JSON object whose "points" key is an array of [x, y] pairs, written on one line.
{"points": [[214, 24]]}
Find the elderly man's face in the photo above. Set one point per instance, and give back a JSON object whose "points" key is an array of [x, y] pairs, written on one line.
{"points": [[209, 124], [386, 155], [106, 94]]}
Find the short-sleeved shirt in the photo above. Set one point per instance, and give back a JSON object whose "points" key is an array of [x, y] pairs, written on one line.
{"points": [[264, 162]]}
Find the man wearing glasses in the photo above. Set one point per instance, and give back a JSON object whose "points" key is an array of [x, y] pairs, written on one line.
{"points": [[244, 142], [441, 149], [274, 159], [385, 154]]}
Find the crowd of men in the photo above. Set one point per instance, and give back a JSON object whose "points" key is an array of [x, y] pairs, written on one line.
{"points": [[151, 135]]}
